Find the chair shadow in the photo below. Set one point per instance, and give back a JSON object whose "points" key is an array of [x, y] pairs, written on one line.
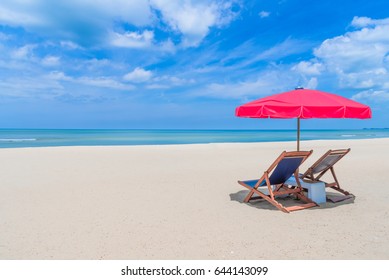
{"points": [[339, 198], [259, 204], [287, 201]]}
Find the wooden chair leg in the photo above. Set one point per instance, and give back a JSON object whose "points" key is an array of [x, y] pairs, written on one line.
{"points": [[248, 196], [337, 187]]}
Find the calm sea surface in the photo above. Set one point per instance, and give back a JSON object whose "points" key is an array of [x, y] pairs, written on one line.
{"points": [[14, 138]]}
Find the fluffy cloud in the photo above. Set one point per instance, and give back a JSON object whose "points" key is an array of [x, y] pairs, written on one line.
{"points": [[51, 60], [358, 56], [193, 19], [102, 82], [372, 95], [358, 60], [138, 75], [86, 23], [133, 39], [365, 21], [308, 68], [312, 83], [93, 21], [23, 52], [168, 81], [69, 45], [264, 14]]}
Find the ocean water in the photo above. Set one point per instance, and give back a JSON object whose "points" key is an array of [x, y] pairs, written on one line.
{"points": [[16, 138]]}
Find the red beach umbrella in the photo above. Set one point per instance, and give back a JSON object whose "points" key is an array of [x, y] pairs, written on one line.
{"points": [[303, 104]]}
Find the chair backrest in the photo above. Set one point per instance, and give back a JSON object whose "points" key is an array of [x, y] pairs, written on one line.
{"points": [[286, 165], [328, 160]]}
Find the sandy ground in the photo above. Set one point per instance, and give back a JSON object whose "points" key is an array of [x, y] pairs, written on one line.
{"points": [[183, 202]]}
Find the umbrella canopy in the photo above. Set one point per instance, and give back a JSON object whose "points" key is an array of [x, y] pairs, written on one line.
{"points": [[303, 104]]}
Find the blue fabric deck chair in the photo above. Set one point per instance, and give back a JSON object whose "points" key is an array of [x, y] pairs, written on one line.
{"points": [[274, 177]]}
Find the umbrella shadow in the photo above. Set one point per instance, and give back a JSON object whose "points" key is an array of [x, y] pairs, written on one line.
{"points": [[290, 201]]}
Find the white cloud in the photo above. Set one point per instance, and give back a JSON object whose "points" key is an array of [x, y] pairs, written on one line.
{"points": [[141, 40], [103, 82], [93, 21], [137, 12], [173, 80], [36, 86], [372, 95], [138, 75], [4, 37], [95, 65], [365, 21], [157, 86], [23, 52], [28, 13], [86, 23], [357, 60], [15, 13], [264, 14], [312, 83], [357, 51], [133, 39], [51, 60], [264, 83], [168, 81], [178, 81], [308, 68], [284, 49], [166, 46], [193, 19], [69, 45]]}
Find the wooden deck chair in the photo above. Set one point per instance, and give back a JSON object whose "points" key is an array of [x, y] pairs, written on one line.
{"points": [[274, 177], [322, 165]]}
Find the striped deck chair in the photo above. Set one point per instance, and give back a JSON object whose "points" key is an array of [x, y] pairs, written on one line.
{"points": [[322, 165], [274, 177]]}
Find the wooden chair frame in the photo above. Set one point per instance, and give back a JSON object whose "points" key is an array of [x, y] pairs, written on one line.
{"points": [[310, 174], [280, 189]]}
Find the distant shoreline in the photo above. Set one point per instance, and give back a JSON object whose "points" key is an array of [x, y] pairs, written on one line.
{"points": [[22, 138], [198, 129]]}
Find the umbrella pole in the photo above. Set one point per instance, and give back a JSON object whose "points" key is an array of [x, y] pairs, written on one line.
{"points": [[298, 134]]}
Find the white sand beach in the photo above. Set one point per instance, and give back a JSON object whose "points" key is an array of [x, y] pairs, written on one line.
{"points": [[184, 202]]}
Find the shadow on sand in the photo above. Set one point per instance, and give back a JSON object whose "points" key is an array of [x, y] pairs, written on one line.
{"points": [[290, 201]]}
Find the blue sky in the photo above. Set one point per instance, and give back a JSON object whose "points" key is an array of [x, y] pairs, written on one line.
{"points": [[186, 64]]}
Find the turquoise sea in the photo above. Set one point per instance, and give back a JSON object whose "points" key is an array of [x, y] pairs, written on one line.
{"points": [[15, 138]]}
